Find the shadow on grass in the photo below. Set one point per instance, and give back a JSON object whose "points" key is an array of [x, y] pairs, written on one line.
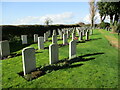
{"points": [[96, 34], [46, 47], [95, 39], [14, 55], [62, 64], [61, 45], [16, 46], [83, 41]]}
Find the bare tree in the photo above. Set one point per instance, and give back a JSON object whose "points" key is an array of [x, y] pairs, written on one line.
{"points": [[93, 9], [48, 21]]}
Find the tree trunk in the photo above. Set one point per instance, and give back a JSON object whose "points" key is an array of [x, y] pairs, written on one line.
{"points": [[116, 18], [92, 23], [111, 19], [100, 19]]}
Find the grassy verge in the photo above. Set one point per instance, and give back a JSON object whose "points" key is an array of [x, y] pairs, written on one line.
{"points": [[98, 67]]}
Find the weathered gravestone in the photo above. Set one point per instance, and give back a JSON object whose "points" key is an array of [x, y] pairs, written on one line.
{"points": [[74, 32], [68, 34], [65, 39], [80, 36], [40, 42], [35, 37], [72, 49], [53, 53], [73, 36], [28, 58], [24, 39], [54, 39], [48, 33], [4, 48]]}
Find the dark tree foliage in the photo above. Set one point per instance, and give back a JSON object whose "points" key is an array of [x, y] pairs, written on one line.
{"points": [[111, 9]]}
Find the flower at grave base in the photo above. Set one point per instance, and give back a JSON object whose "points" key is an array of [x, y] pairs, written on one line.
{"points": [[76, 38], [65, 44]]}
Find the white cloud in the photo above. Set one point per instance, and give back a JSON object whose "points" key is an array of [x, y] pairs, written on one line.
{"points": [[86, 19], [63, 18]]}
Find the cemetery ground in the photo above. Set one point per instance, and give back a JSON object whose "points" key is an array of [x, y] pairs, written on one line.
{"points": [[96, 65]]}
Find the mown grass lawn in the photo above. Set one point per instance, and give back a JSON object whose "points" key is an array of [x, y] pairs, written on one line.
{"points": [[98, 67]]}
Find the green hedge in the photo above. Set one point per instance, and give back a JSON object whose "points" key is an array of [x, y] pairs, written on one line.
{"points": [[104, 25], [9, 32]]}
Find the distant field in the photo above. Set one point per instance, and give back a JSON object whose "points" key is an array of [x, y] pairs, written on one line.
{"points": [[96, 67]]}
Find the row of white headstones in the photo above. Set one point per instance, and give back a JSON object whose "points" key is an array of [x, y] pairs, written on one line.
{"points": [[28, 54]]}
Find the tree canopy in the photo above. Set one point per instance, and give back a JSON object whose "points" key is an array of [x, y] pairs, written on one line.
{"points": [[110, 9]]}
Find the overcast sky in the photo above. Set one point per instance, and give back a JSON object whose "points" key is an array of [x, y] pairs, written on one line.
{"points": [[22, 13]]}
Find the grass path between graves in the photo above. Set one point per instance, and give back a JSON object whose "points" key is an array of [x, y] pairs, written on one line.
{"points": [[113, 38], [95, 67]]}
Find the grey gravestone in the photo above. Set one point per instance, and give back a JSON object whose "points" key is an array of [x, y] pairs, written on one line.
{"points": [[72, 49], [53, 53], [4, 48], [59, 32], [87, 35], [28, 58], [48, 33], [24, 39], [65, 39], [54, 39], [35, 37], [40, 42]]}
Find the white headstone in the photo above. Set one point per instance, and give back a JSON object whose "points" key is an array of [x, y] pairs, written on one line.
{"points": [[68, 34], [45, 37], [4, 48], [65, 39], [72, 49], [40, 42], [83, 32], [91, 31], [80, 36], [35, 37], [54, 32], [60, 33], [24, 39], [53, 53], [28, 58]]}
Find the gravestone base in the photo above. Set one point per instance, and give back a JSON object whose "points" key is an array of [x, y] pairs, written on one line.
{"points": [[74, 56]]}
